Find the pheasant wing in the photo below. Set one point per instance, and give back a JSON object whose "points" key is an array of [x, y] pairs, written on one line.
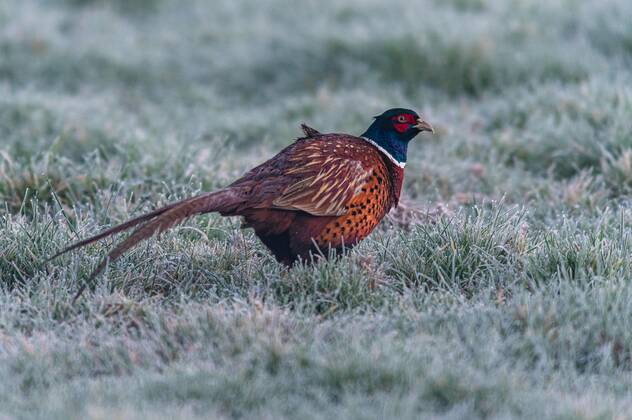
{"points": [[309, 131], [324, 182]]}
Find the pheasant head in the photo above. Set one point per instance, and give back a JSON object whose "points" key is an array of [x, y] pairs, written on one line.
{"points": [[393, 130]]}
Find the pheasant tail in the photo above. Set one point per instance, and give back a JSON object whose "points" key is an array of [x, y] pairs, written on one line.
{"points": [[155, 222]]}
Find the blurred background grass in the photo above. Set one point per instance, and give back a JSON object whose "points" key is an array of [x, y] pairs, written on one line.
{"points": [[501, 290]]}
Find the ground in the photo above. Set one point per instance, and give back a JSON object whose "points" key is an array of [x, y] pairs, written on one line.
{"points": [[502, 289]]}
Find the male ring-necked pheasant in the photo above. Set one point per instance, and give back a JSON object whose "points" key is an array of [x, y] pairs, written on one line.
{"points": [[322, 191]]}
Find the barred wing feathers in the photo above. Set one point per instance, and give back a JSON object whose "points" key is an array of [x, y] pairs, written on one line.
{"points": [[326, 179]]}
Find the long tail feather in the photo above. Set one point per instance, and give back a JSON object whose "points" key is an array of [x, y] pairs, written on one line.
{"points": [[114, 230], [153, 223]]}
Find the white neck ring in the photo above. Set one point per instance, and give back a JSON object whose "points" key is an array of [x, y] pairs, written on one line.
{"points": [[383, 150]]}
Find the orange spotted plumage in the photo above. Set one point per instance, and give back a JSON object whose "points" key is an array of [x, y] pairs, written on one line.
{"points": [[323, 191], [364, 211]]}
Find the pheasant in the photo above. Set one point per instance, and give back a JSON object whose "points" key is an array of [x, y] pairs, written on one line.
{"points": [[323, 191]]}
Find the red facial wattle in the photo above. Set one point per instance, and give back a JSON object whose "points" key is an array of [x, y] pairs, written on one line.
{"points": [[401, 127], [403, 122]]}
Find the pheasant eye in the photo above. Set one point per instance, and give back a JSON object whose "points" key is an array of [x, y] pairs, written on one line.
{"points": [[402, 119]]}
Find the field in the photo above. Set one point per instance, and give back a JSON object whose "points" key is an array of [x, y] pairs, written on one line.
{"points": [[502, 288]]}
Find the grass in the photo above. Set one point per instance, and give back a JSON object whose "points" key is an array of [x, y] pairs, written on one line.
{"points": [[500, 290]]}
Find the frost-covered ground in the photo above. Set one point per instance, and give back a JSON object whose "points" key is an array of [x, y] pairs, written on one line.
{"points": [[502, 290]]}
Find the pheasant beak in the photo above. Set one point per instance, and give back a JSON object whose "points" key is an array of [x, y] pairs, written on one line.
{"points": [[423, 126]]}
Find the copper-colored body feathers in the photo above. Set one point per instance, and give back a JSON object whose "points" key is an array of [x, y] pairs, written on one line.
{"points": [[324, 190]]}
